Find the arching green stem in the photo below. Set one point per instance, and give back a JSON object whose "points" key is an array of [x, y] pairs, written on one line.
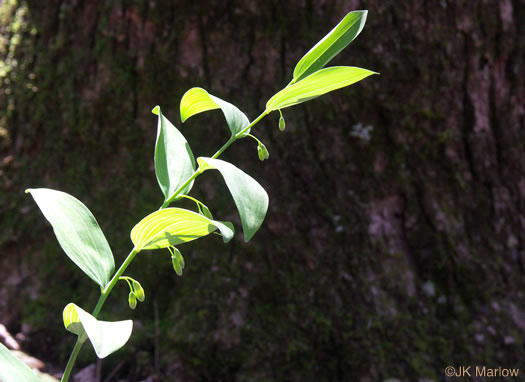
{"points": [[109, 287], [232, 139], [101, 300]]}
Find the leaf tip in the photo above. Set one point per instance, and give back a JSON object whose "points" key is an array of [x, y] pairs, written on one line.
{"points": [[363, 13], [156, 110]]}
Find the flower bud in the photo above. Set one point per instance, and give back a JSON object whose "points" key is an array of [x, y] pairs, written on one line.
{"points": [[132, 300], [262, 151], [138, 291], [282, 124], [176, 265], [179, 257]]}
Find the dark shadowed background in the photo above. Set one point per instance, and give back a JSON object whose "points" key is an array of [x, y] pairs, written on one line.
{"points": [[394, 242]]}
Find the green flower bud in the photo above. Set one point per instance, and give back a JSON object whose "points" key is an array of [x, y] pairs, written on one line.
{"points": [[206, 212], [176, 266], [138, 291], [282, 124], [132, 300], [262, 151], [177, 260], [179, 257]]}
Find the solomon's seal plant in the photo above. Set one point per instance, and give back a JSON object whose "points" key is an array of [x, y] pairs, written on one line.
{"points": [[176, 168]]}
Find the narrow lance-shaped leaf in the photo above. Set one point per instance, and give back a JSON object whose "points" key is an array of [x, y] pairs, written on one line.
{"points": [[249, 196], [317, 84], [333, 43], [14, 370], [174, 161], [198, 100], [173, 226], [78, 233], [106, 337]]}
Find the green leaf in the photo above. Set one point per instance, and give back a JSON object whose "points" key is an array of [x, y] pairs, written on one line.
{"points": [[14, 370], [331, 44], [317, 84], [106, 337], [173, 226], [198, 100], [78, 233], [226, 229], [249, 196], [174, 161]]}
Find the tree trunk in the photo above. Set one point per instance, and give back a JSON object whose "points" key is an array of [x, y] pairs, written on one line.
{"points": [[394, 243]]}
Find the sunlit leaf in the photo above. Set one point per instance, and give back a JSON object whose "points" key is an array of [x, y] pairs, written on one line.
{"points": [[331, 44], [106, 337], [174, 161], [317, 84], [173, 226], [72, 320], [78, 233], [198, 100], [14, 370], [249, 196]]}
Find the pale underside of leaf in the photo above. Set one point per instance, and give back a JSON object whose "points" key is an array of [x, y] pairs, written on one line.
{"points": [[249, 196], [106, 337], [225, 228], [14, 370], [78, 233], [333, 43], [317, 84], [198, 100], [174, 161], [173, 226]]}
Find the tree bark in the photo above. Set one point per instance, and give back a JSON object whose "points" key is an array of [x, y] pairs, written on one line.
{"points": [[394, 243]]}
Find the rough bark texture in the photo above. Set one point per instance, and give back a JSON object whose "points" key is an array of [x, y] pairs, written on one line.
{"points": [[394, 243]]}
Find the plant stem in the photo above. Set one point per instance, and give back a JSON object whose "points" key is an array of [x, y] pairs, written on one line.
{"points": [[109, 287], [232, 139], [73, 357], [255, 139], [176, 193], [255, 121], [101, 300]]}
